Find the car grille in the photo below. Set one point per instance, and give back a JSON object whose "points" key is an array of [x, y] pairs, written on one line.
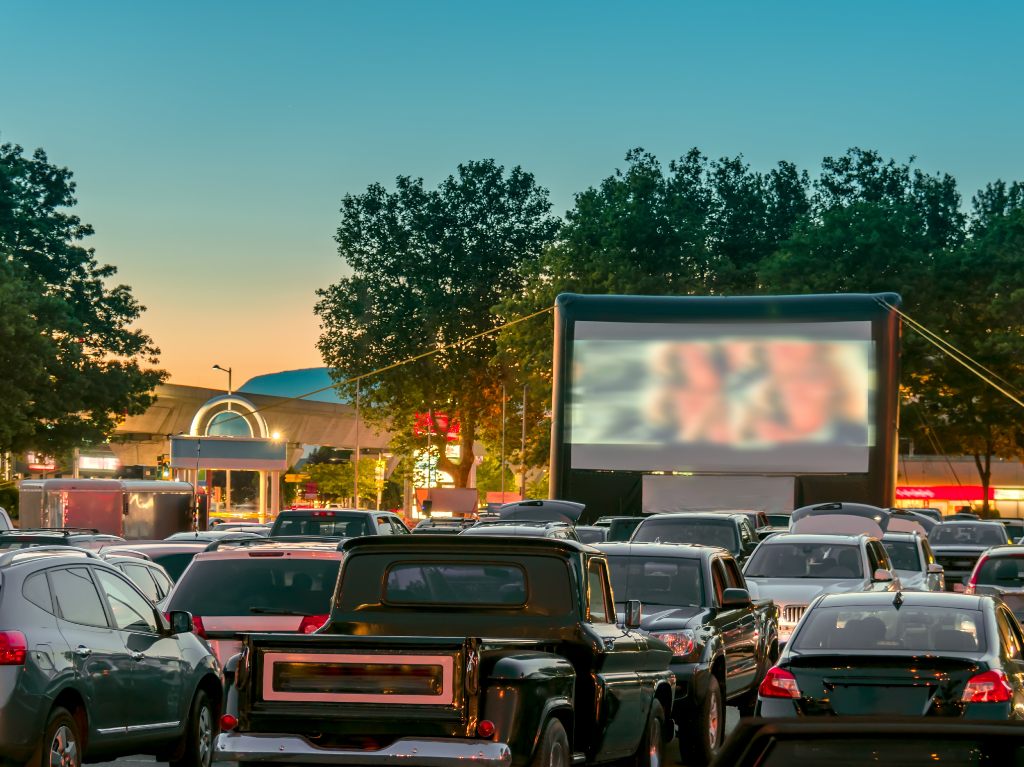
{"points": [[793, 613], [959, 562]]}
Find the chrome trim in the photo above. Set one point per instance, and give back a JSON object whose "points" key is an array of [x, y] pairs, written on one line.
{"points": [[157, 726], [423, 752], [110, 730]]}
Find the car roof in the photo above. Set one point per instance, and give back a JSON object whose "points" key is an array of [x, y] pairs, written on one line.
{"points": [[971, 522], [697, 515], [521, 523], [274, 549], [446, 544], [676, 550], [512, 529], [910, 599], [815, 538], [902, 536], [339, 510], [1006, 550], [49, 554]]}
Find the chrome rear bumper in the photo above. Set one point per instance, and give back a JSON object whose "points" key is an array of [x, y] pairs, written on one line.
{"points": [[425, 752]]}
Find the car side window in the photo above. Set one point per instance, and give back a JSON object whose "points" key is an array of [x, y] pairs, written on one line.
{"points": [[132, 612], [599, 608], [139, 575], [398, 527], [733, 579], [1015, 632], [718, 580], [747, 535], [384, 526], [875, 562], [1011, 645], [37, 591], [929, 555], [163, 583], [77, 597]]}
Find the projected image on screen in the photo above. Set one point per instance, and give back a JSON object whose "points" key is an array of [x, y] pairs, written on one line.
{"points": [[774, 397]]}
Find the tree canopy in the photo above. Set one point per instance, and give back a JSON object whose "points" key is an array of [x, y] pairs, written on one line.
{"points": [[71, 359]]}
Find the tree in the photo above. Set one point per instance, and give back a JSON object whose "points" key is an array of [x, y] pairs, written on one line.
{"points": [[427, 266], [70, 330], [695, 227], [335, 481]]}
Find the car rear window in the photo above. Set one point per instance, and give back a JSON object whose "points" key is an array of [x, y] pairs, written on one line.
{"points": [[1007, 572], [455, 584], [174, 564], [257, 585], [903, 554], [910, 628], [707, 532], [25, 542], [325, 523], [949, 534], [805, 560]]}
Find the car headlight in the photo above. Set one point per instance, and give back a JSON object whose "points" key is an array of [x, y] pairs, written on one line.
{"points": [[681, 643]]}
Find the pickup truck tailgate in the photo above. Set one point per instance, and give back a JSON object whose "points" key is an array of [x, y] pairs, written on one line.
{"points": [[347, 685]]}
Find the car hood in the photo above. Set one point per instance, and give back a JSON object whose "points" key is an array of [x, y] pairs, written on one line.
{"points": [[661, 618], [912, 580], [955, 548], [787, 591]]}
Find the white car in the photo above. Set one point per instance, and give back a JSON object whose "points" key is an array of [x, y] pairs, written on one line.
{"points": [[5, 520], [793, 568], [914, 562]]}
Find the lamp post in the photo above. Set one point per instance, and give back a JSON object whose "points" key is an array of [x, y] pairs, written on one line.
{"points": [[227, 472]]}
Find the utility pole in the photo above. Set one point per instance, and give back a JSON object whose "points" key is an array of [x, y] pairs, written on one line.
{"points": [[522, 452], [502, 467], [355, 466]]}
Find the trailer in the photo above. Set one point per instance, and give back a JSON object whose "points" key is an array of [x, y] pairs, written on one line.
{"points": [[134, 509]]}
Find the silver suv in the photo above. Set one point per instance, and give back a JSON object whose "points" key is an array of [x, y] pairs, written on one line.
{"points": [[794, 568]]}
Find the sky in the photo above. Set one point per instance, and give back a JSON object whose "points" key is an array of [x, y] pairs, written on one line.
{"points": [[212, 142]]}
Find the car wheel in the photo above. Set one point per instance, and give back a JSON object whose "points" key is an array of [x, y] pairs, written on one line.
{"points": [[200, 732], [651, 752], [553, 748], [703, 735], [62, 742]]}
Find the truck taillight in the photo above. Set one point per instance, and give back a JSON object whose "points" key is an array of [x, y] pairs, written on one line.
{"points": [[311, 623], [973, 582], [987, 687], [13, 648]]}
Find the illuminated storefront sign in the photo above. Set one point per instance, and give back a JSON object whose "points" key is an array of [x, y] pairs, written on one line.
{"points": [[944, 493]]}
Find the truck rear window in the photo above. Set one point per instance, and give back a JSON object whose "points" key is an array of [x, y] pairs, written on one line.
{"points": [[455, 584], [323, 523]]}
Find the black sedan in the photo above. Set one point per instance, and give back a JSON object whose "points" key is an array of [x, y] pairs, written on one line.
{"points": [[903, 654]]}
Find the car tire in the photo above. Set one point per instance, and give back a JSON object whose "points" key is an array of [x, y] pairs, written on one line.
{"points": [[200, 732], [701, 737], [651, 752], [62, 741], [553, 747]]}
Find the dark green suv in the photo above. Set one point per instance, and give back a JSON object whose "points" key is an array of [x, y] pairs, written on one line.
{"points": [[89, 669]]}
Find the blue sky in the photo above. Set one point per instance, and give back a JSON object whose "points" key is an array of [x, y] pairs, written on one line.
{"points": [[212, 142]]}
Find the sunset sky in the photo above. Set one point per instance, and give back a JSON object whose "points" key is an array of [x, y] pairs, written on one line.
{"points": [[212, 142]]}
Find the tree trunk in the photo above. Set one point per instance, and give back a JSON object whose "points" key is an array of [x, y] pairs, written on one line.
{"points": [[985, 474], [460, 471]]}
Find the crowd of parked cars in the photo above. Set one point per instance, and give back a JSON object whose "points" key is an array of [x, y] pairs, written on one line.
{"points": [[254, 643]]}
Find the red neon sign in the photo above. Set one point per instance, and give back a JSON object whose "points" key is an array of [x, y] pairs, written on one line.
{"points": [[422, 426], [943, 493]]}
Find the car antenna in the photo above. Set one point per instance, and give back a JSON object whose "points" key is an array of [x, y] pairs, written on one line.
{"points": [[897, 601]]}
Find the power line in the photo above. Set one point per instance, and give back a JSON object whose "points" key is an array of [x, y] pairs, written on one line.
{"points": [[438, 348]]}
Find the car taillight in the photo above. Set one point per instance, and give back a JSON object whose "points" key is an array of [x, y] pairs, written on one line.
{"points": [[778, 683], [485, 729], [987, 687], [13, 648], [311, 623], [228, 722], [323, 513], [973, 581], [197, 627]]}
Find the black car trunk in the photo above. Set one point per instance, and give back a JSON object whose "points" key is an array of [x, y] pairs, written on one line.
{"points": [[882, 685]]}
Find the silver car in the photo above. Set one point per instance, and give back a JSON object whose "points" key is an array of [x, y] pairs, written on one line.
{"points": [[914, 562], [794, 568]]}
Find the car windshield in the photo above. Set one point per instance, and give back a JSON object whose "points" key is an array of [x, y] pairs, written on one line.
{"points": [[707, 532], [805, 560], [968, 534], [904, 554], [333, 524], [456, 583], [1007, 572], [883, 627], [257, 584], [657, 580]]}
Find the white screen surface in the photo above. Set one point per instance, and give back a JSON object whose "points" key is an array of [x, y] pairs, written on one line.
{"points": [[729, 397]]}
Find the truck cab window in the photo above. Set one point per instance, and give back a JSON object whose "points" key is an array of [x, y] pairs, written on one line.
{"points": [[599, 608]]}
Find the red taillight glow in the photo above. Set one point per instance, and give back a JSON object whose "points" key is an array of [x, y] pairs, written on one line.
{"points": [[197, 627], [323, 513], [987, 687], [311, 623], [228, 722], [973, 581], [778, 683], [485, 729], [13, 648]]}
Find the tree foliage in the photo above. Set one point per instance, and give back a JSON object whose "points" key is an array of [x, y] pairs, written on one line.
{"points": [[72, 360], [426, 267]]}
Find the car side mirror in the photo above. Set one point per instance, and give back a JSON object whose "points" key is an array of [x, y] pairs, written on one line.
{"points": [[735, 598], [936, 569], [181, 622], [881, 576], [634, 613]]}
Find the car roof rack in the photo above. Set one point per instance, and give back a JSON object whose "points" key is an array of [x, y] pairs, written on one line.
{"points": [[109, 553], [11, 556], [243, 543], [64, 530]]}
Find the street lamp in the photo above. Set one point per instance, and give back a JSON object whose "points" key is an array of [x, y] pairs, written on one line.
{"points": [[228, 371]]}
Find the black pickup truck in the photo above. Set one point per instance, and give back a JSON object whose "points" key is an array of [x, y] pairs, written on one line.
{"points": [[439, 651], [723, 643]]}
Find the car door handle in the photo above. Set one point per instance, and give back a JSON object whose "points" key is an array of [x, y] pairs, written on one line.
{"points": [[138, 655], [82, 651]]}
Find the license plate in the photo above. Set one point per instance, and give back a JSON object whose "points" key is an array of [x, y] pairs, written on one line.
{"points": [[866, 700]]}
